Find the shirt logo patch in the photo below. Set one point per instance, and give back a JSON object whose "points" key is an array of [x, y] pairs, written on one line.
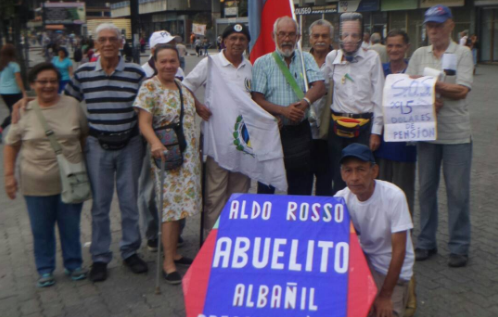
{"points": [[241, 138], [248, 84]]}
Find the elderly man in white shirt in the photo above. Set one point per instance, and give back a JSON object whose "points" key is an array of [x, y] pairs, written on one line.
{"points": [[221, 183], [357, 102]]}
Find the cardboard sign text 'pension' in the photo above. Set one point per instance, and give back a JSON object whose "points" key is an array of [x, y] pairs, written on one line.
{"points": [[409, 113]]}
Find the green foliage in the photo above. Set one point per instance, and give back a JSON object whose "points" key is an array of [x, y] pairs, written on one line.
{"points": [[242, 8], [7, 9]]}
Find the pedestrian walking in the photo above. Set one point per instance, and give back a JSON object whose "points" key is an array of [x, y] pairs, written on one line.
{"points": [[114, 149], [40, 180], [65, 67], [11, 85], [198, 45], [167, 121]]}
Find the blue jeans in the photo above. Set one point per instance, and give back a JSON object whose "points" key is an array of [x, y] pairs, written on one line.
{"points": [[456, 160], [104, 169], [44, 212]]}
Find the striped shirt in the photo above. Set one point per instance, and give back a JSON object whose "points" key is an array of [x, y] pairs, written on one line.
{"points": [[267, 78], [109, 98]]}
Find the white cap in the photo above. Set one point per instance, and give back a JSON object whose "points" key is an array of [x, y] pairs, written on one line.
{"points": [[160, 37]]}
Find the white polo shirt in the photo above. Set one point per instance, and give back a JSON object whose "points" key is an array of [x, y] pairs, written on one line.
{"points": [[376, 219], [240, 75], [357, 86]]}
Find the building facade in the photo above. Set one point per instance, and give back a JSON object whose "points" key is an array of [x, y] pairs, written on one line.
{"points": [[174, 16], [383, 15]]}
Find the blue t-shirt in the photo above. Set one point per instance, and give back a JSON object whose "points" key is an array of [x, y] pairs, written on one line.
{"points": [[395, 151], [62, 66], [8, 84]]}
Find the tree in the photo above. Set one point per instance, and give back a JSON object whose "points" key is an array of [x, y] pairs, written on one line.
{"points": [[242, 8], [7, 15]]}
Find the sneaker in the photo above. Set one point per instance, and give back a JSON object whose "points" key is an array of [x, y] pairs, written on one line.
{"points": [[152, 245], [183, 261], [98, 273], [181, 242], [173, 278], [45, 280], [77, 274], [458, 260], [136, 264], [423, 254]]}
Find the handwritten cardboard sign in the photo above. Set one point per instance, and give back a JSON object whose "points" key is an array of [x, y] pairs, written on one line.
{"points": [[409, 113], [273, 255]]}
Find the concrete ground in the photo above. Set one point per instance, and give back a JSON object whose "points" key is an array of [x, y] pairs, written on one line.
{"points": [[464, 292]]}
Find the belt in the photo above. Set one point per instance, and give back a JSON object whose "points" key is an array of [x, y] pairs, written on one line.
{"points": [[96, 133], [367, 115]]}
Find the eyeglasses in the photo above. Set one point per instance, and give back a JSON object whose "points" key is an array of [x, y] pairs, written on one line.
{"points": [[282, 35], [103, 40], [45, 82]]}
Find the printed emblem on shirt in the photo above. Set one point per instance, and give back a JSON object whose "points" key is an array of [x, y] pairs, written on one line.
{"points": [[248, 84], [241, 138]]}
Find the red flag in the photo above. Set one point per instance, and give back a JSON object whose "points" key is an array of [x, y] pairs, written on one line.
{"points": [[262, 16]]}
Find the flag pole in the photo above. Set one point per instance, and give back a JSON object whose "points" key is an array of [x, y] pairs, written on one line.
{"points": [[299, 44]]}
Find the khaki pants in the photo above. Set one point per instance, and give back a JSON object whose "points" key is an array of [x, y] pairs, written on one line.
{"points": [[400, 293], [220, 185]]}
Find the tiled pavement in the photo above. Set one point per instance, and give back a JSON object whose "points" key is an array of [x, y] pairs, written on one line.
{"points": [[466, 292]]}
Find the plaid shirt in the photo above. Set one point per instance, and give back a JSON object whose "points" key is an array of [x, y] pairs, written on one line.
{"points": [[267, 78]]}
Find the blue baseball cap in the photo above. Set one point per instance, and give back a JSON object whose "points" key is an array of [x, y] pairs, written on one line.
{"points": [[359, 151], [438, 13]]}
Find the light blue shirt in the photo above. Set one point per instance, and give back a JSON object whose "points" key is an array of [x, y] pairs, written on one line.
{"points": [[8, 84], [62, 66], [267, 78]]}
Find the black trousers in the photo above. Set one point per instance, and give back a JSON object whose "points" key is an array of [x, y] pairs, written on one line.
{"points": [[321, 167], [337, 143], [296, 144], [9, 100]]}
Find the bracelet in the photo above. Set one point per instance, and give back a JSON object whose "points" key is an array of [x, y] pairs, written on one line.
{"points": [[307, 100]]}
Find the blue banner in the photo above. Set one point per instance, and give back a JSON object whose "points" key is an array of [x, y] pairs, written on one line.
{"points": [[280, 256]]}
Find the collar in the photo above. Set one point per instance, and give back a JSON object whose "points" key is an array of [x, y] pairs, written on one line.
{"points": [[338, 59], [120, 67], [389, 67], [450, 49], [225, 62]]}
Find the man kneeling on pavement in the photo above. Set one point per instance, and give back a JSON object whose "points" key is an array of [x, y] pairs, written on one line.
{"points": [[380, 215]]}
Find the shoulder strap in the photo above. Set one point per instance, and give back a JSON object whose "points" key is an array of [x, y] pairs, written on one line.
{"points": [[181, 101], [48, 132], [288, 76]]}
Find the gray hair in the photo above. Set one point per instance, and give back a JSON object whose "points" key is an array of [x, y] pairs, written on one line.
{"points": [[110, 27], [322, 22], [298, 32], [375, 38]]}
